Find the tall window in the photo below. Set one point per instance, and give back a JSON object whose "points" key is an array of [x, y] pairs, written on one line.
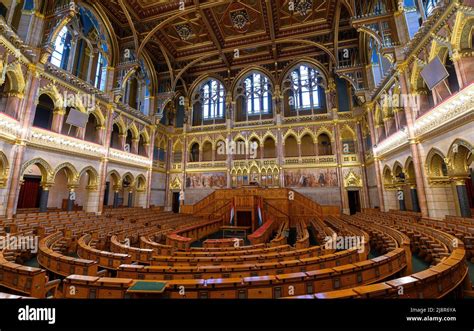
{"points": [[257, 94], [213, 100], [429, 6], [101, 73], [58, 57], [305, 88]]}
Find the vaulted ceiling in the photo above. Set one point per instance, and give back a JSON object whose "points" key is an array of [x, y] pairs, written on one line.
{"points": [[223, 35]]}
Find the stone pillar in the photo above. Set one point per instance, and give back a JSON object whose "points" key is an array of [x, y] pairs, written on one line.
{"points": [[463, 198], [58, 120], [101, 135], [116, 197], [340, 175], [417, 162], [71, 198], [89, 66], [122, 140], [378, 170], [361, 155], [414, 199], [44, 198], [130, 199], [134, 147], [229, 158], [72, 55], [11, 11], [26, 116], [401, 199], [13, 105]]}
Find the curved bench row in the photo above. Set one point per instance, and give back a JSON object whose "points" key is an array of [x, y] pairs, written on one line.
{"points": [[270, 286], [26, 280], [239, 270], [105, 259], [61, 264]]}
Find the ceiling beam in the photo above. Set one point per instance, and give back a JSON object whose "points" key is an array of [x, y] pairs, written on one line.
{"points": [[211, 33]]}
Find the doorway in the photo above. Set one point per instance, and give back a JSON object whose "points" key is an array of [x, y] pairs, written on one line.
{"points": [[175, 205], [30, 192], [354, 202], [244, 218]]}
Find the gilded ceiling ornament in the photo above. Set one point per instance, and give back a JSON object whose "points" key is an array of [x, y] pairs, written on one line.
{"points": [[302, 7], [240, 19], [184, 31]]}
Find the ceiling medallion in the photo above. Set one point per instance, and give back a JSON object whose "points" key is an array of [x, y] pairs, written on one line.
{"points": [[240, 19], [303, 6], [184, 31]]}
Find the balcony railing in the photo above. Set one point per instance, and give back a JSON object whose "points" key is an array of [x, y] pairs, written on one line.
{"points": [[121, 156], [311, 160], [206, 164], [51, 140], [9, 127]]}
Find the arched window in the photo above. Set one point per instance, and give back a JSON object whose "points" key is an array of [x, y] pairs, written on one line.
{"points": [[91, 129], [129, 142], [324, 145], [412, 17], [61, 49], [269, 148], [142, 146], [137, 90], [305, 82], [257, 94], [207, 151], [429, 6], [115, 137], [380, 65], [194, 153], [44, 113], [291, 147], [209, 103], [101, 73], [307, 146], [213, 97], [81, 48]]}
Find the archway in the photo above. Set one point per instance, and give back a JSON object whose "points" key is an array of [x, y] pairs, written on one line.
{"points": [[112, 190], [324, 145], [207, 151], [44, 113], [194, 153], [128, 190], [291, 146], [307, 145], [269, 148], [87, 191]]}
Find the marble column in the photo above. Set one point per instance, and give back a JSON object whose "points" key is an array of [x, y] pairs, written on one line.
{"points": [[361, 155], [378, 170], [71, 199], [44, 199], [58, 120], [130, 199], [116, 198], [414, 199], [340, 175], [26, 114], [401, 199], [414, 147], [134, 147]]}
